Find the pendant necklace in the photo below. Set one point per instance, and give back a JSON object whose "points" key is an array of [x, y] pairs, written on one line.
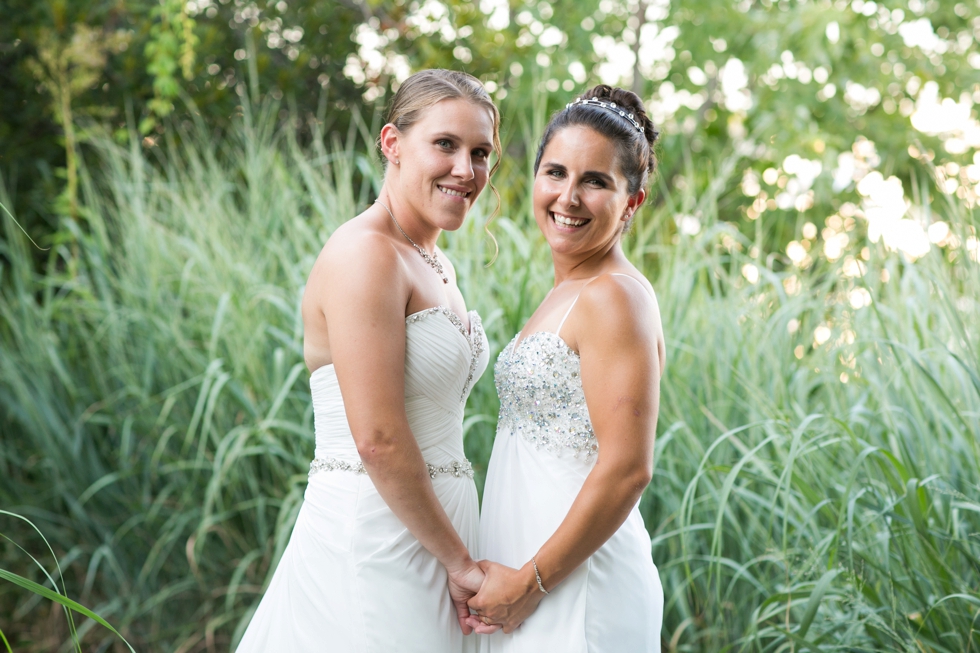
{"points": [[432, 260]]}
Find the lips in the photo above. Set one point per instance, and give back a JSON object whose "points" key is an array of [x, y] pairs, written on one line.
{"points": [[567, 220], [453, 193]]}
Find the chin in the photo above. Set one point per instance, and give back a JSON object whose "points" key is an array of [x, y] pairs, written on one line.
{"points": [[558, 243], [451, 223]]}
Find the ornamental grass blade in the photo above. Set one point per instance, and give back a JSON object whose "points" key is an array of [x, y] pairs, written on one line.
{"points": [[61, 599], [815, 598]]}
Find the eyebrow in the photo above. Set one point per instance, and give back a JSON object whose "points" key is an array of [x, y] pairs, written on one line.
{"points": [[454, 137], [551, 165]]}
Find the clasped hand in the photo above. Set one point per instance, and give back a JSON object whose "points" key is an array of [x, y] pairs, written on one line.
{"points": [[506, 598]]}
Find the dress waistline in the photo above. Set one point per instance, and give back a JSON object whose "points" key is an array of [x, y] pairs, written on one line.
{"points": [[455, 468]]}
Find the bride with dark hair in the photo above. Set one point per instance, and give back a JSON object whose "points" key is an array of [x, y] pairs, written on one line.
{"points": [[568, 555]]}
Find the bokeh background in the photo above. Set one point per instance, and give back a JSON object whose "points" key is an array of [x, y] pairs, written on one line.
{"points": [[169, 170]]}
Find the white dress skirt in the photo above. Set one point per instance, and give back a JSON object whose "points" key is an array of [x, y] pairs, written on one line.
{"points": [[544, 449], [353, 579]]}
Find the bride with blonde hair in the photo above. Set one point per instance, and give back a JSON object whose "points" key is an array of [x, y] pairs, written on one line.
{"points": [[379, 558]]}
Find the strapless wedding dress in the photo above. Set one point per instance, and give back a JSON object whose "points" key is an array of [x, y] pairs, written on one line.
{"points": [[353, 579], [544, 449]]}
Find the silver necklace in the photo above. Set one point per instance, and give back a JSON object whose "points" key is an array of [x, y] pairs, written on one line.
{"points": [[432, 260]]}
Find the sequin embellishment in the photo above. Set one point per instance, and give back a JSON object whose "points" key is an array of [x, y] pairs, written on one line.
{"points": [[334, 465], [474, 337], [541, 396], [454, 468]]}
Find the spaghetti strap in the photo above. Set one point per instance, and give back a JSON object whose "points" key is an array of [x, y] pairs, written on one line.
{"points": [[572, 305], [568, 312]]}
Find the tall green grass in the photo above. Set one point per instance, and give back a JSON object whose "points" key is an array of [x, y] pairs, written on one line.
{"points": [[156, 422]]}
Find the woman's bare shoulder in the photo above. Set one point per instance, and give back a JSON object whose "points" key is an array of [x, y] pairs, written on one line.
{"points": [[360, 258], [360, 236], [358, 245], [621, 305]]}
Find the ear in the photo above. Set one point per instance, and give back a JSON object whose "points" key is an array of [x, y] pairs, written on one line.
{"points": [[390, 144], [633, 203]]}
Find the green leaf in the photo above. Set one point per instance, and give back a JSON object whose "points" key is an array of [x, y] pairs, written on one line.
{"points": [[59, 598], [813, 604]]}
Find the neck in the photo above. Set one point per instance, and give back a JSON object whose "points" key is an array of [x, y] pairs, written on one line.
{"points": [[402, 215], [574, 267]]}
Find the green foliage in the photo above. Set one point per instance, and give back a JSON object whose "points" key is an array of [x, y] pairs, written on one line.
{"points": [[812, 240], [57, 596], [808, 78], [65, 70], [185, 56], [812, 489], [171, 46]]}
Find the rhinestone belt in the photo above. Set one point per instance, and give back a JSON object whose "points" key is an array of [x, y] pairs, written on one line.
{"points": [[456, 468]]}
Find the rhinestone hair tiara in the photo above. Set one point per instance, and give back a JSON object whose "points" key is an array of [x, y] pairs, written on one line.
{"points": [[609, 106]]}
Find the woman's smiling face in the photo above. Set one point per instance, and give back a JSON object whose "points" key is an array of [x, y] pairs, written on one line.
{"points": [[443, 161], [581, 200]]}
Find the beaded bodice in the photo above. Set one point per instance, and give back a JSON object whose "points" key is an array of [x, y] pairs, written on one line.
{"points": [[541, 398]]}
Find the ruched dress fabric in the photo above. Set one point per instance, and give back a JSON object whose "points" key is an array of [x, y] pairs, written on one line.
{"points": [[544, 449], [353, 579]]}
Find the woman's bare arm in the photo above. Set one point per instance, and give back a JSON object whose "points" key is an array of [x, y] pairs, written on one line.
{"points": [[619, 338], [364, 295]]}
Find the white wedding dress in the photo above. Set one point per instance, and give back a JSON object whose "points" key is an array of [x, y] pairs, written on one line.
{"points": [[544, 449], [353, 579]]}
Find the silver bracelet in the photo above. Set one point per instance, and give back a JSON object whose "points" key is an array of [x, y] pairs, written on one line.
{"points": [[538, 576]]}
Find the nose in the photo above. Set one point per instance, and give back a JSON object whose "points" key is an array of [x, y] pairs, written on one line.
{"points": [[569, 194], [463, 166]]}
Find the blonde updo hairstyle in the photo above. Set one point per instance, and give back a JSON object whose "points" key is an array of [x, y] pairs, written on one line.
{"points": [[425, 88]]}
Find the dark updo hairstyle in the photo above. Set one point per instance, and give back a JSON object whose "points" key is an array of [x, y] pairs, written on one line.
{"points": [[637, 159]]}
